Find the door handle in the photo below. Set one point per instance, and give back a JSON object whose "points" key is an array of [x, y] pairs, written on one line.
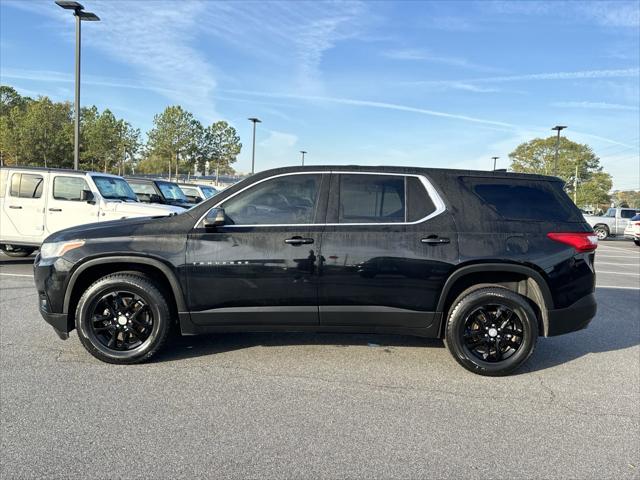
{"points": [[435, 240], [16, 207], [295, 241], [55, 209]]}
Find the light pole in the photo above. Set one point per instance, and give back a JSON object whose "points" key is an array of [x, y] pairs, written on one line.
{"points": [[253, 151], [494, 162], [81, 15], [559, 128], [303, 154]]}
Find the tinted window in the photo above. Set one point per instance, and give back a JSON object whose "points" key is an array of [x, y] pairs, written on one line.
{"points": [[171, 191], [283, 200], [26, 185], [114, 188], [190, 191], [372, 199], [627, 213], [208, 191], [419, 204], [69, 188], [525, 200]]}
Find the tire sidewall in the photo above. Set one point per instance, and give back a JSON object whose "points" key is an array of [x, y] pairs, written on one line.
{"points": [[492, 296], [151, 296]]}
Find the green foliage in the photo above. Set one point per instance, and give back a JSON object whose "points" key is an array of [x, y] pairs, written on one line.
{"points": [[539, 156], [40, 132], [629, 198]]}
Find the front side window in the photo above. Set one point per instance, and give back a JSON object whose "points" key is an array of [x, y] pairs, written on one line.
{"points": [[372, 199], [208, 191], [114, 188], [69, 188], [190, 191], [143, 188], [278, 201], [26, 185]]}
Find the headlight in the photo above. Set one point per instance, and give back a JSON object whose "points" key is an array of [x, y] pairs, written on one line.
{"points": [[57, 249]]}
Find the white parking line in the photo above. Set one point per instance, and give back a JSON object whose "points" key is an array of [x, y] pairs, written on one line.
{"points": [[612, 286], [616, 248], [15, 275], [618, 264], [619, 273]]}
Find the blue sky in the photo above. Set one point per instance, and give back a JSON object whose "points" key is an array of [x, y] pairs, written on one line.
{"points": [[443, 84]]}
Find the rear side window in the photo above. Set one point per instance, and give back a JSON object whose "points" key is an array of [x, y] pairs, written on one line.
{"points": [[627, 213], [26, 185], [372, 199], [143, 188], [69, 188], [419, 203], [525, 200]]}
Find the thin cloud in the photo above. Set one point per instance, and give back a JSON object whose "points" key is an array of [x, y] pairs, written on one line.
{"points": [[584, 74], [411, 54], [594, 105], [374, 104]]}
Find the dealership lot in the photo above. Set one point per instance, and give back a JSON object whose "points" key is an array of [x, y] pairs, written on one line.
{"points": [[338, 406]]}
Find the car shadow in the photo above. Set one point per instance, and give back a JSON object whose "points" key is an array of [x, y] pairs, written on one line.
{"points": [[615, 327], [16, 261]]}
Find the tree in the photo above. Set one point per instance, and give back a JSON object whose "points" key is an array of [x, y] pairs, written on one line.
{"points": [[223, 147], [171, 135], [538, 156], [10, 98], [630, 198]]}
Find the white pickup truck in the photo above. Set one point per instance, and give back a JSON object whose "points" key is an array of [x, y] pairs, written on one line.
{"points": [[36, 202], [611, 223]]}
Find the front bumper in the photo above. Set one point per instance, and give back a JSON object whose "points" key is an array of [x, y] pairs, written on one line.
{"points": [[59, 321], [575, 317]]}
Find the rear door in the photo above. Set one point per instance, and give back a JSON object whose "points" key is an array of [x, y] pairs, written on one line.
{"points": [[65, 205], [24, 204], [387, 249]]}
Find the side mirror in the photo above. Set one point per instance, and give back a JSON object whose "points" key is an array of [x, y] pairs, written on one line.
{"points": [[215, 218], [87, 196], [155, 198], [197, 199]]}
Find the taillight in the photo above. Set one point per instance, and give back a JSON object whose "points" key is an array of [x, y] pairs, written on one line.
{"points": [[581, 241]]}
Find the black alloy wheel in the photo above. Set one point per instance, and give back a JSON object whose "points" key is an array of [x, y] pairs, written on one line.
{"points": [[123, 318], [491, 330]]}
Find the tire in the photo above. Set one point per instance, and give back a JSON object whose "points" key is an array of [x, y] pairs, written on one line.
{"points": [[466, 327], [636, 241], [601, 231], [134, 312], [18, 252]]}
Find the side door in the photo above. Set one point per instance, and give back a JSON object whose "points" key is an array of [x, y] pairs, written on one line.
{"points": [[24, 205], [70, 203], [622, 221], [260, 267], [387, 249]]}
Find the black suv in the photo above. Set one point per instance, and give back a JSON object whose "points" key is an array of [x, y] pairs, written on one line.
{"points": [[158, 191], [486, 260]]}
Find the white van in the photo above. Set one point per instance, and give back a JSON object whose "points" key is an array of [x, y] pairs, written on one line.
{"points": [[35, 202]]}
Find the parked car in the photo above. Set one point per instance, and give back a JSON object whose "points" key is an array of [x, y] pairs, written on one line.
{"points": [[158, 191], [632, 231], [488, 261], [196, 193], [613, 222], [36, 202]]}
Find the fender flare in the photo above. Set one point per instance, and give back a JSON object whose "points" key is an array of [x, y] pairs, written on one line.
{"points": [[539, 283], [130, 259]]}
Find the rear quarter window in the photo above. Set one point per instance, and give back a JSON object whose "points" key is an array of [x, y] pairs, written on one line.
{"points": [[525, 200]]}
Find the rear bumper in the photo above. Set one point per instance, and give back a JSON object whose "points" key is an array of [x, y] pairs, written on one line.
{"points": [[575, 317]]}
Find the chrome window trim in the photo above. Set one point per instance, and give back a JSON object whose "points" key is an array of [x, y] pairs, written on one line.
{"points": [[431, 191]]}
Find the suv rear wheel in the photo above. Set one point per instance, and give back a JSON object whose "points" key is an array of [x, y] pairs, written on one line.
{"points": [[491, 331], [123, 318]]}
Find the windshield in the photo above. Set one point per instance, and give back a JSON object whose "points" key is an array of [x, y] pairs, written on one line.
{"points": [[171, 191], [114, 188], [208, 191]]}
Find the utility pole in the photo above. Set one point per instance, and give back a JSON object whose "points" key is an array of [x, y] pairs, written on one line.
{"points": [[81, 15], [253, 151], [303, 154], [494, 162], [559, 128]]}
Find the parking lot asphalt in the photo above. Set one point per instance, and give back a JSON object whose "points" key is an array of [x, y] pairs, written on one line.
{"points": [[330, 406]]}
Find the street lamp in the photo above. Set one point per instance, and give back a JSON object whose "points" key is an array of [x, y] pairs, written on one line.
{"points": [[253, 151], [303, 154], [494, 162], [559, 128], [81, 15]]}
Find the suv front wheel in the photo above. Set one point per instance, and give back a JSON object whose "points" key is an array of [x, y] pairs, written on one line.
{"points": [[491, 331], [123, 318]]}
